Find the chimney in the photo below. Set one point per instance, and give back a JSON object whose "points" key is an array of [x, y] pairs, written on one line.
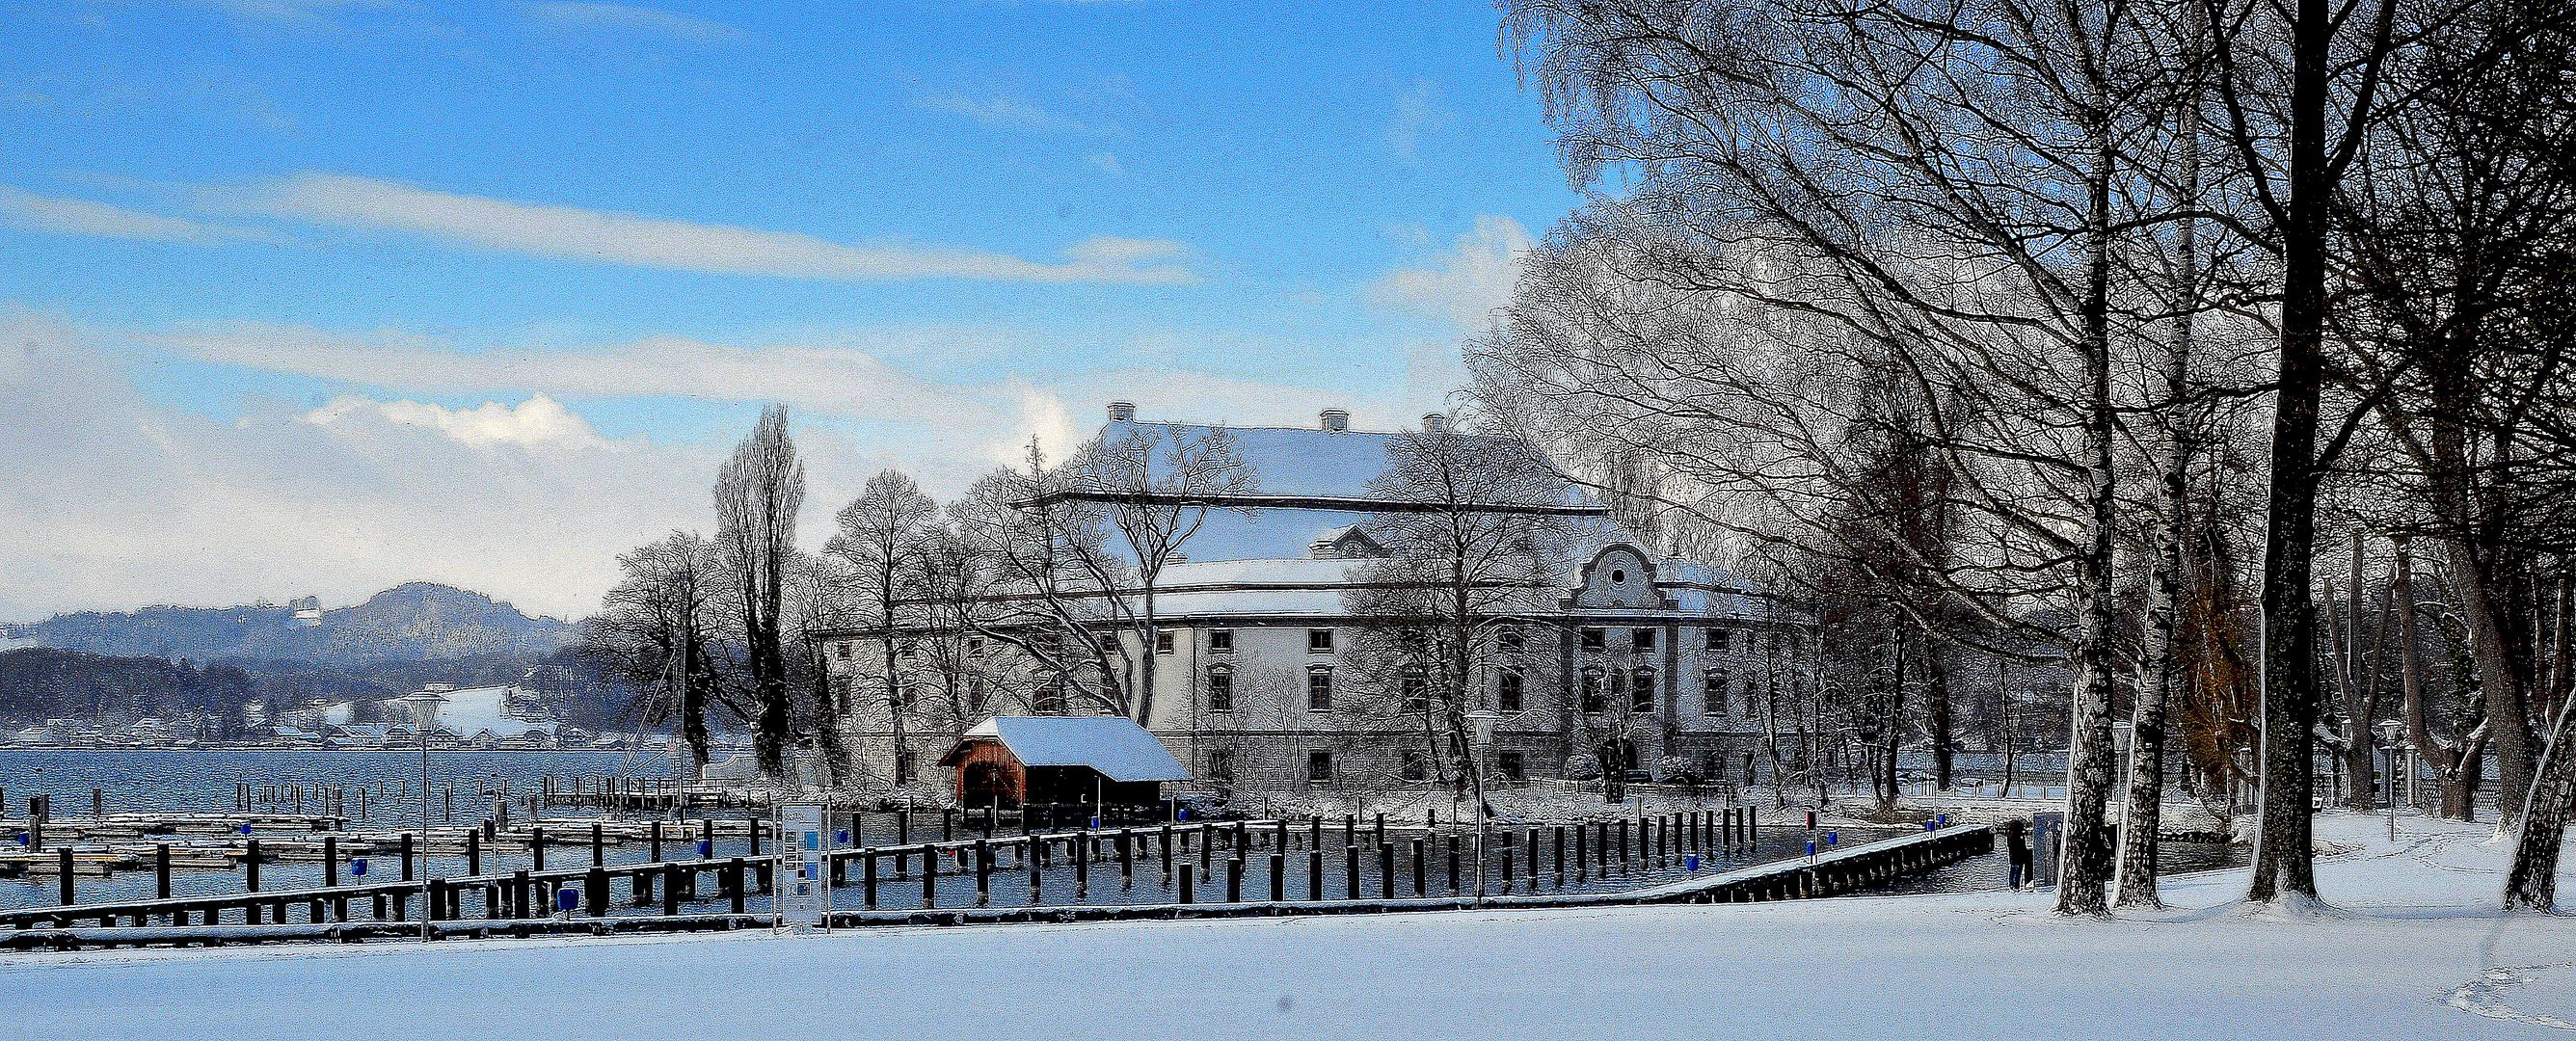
{"points": [[1434, 423], [1336, 420], [1122, 411]]}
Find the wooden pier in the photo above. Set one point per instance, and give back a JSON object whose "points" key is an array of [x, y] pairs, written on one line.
{"points": [[1204, 866]]}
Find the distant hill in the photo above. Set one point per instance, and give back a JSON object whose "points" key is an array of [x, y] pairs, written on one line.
{"points": [[418, 621]]}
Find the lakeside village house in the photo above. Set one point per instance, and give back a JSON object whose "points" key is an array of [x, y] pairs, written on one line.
{"points": [[1662, 664]]}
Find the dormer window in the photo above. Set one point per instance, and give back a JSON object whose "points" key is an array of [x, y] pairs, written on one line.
{"points": [[1220, 641], [1319, 641]]}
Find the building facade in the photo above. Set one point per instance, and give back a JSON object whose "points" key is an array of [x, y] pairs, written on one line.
{"points": [[1271, 668]]}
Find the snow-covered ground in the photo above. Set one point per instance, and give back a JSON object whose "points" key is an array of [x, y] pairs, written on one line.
{"points": [[2411, 951]]}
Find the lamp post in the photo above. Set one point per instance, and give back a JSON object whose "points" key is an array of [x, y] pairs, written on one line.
{"points": [[1480, 725], [2388, 740], [424, 715]]}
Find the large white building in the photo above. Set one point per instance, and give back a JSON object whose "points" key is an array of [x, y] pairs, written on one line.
{"points": [[1263, 668]]}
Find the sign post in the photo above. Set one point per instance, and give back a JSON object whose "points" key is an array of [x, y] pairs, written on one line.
{"points": [[803, 895]]}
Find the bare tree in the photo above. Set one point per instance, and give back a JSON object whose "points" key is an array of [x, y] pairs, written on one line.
{"points": [[758, 493], [1474, 534], [1154, 485], [654, 628], [885, 541]]}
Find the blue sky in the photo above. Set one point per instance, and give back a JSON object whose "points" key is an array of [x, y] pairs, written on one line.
{"points": [[518, 254]]}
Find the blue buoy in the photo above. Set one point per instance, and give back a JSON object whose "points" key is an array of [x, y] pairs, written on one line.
{"points": [[1833, 837], [706, 849], [22, 838], [841, 836], [1691, 862], [567, 899], [1811, 847], [1095, 823], [245, 829], [358, 867], [1181, 814]]}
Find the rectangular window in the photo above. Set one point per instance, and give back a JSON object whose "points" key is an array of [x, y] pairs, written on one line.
{"points": [[1510, 764], [1642, 640], [1220, 765], [1715, 693], [1592, 703], [1592, 639], [1641, 692], [1416, 693], [1507, 691], [1717, 639], [1319, 641], [1508, 637], [974, 645], [1220, 690], [1319, 767], [843, 650], [1162, 641], [1417, 765], [1319, 690], [1220, 641]]}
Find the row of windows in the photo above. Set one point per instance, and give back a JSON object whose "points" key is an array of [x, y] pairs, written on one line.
{"points": [[1320, 641], [1510, 687]]}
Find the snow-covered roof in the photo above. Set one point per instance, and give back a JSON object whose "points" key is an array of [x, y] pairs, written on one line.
{"points": [[477, 711], [1113, 745]]}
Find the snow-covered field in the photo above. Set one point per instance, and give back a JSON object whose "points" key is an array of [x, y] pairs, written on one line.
{"points": [[2411, 951]]}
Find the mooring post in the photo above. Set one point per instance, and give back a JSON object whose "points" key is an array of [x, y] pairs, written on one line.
{"points": [[670, 889], [598, 845], [1560, 856], [1385, 869], [161, 870], [1187, 887], [1278, 875], [1420, 883], [657, 841], [868, 877], [734, 887], [983, 872], [1453, 863], [929, 876], [64, 864], [473, 852], [1315, 873], [595, 891], [521, 892]]}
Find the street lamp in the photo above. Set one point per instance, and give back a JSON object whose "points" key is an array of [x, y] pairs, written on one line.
{"points": [[2388, 739], [424, 715], [1480, 725]]}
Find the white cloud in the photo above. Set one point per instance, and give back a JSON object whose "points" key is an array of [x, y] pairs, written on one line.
{"points": [[538, 422], [844, 381], [1105, 162], [98, 219], [622, 17], [468, 467], [1005, 112], [572, 233], [1467, 284], [117, 501]]}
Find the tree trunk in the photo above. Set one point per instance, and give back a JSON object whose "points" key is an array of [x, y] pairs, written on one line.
{"points": [[1936, 695], [2532, 883], [2284, 853], [2508, 702], [2084, 879]]}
